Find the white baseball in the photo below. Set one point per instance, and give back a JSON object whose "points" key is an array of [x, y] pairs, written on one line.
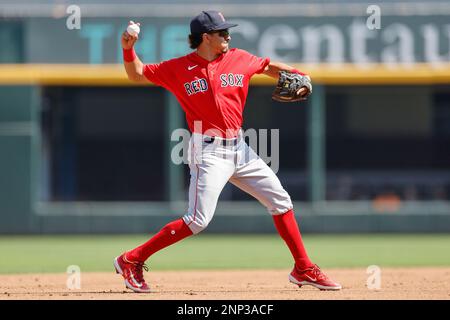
{"points": [[133, 29]]}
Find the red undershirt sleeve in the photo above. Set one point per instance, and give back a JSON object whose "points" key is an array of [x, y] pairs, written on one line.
{"points": [[263, 63], [158, 73], [254, 63]]}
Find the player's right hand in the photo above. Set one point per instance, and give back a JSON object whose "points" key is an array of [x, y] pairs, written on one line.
{"points": [[128, 40]]}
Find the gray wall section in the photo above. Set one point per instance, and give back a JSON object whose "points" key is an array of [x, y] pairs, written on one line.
{"points": [[18, 156], [20, 212], [337, 224], [323, 39]]}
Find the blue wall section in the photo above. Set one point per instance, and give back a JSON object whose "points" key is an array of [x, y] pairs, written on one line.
{"points": [[19, 131]]}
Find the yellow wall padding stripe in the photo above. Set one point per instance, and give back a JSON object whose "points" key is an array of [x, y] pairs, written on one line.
{"points": [[114, 74]]}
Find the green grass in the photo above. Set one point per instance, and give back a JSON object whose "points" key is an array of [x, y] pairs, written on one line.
{"points": [[27, 254]]}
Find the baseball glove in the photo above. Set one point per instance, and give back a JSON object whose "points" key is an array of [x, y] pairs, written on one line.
{"points": [[289, 85]]}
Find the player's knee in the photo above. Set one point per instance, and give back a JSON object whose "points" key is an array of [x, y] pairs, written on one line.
{"points": [[280, 204], [197, 225]]}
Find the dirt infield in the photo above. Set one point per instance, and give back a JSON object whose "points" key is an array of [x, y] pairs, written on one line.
{"points": [[396, 283]]}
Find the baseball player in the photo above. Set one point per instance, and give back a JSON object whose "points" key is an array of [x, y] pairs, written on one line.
{"points": [[211, 85]]}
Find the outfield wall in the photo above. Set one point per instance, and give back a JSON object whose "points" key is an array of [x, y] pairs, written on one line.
{"points": [[23, 209]]}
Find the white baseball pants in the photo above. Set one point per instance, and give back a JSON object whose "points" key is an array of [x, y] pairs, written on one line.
{"points": [[213, 164]]}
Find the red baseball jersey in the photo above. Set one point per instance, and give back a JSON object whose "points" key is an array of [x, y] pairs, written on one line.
{"points": [[211, 93]]}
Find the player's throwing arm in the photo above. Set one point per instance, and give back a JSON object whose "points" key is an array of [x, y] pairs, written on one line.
{"points": [[133, 65]]}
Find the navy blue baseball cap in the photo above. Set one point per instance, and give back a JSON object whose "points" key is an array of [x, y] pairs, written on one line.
{"points": [[209, 21]]}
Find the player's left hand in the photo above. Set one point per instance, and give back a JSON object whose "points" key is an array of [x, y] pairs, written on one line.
{"points": [[292, 87]]}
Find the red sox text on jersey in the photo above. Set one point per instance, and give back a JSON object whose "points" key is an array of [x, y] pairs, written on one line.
{"points": [[200, 85]]}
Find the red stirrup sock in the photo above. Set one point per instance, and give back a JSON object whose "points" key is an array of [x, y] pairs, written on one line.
{"points": [[169, 234], [288, 229]]}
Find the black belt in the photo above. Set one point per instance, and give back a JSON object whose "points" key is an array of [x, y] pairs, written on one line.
{"points": [[223, 142]]}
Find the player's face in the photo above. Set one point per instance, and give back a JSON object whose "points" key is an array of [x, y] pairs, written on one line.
{"points": [[219, 40]]}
